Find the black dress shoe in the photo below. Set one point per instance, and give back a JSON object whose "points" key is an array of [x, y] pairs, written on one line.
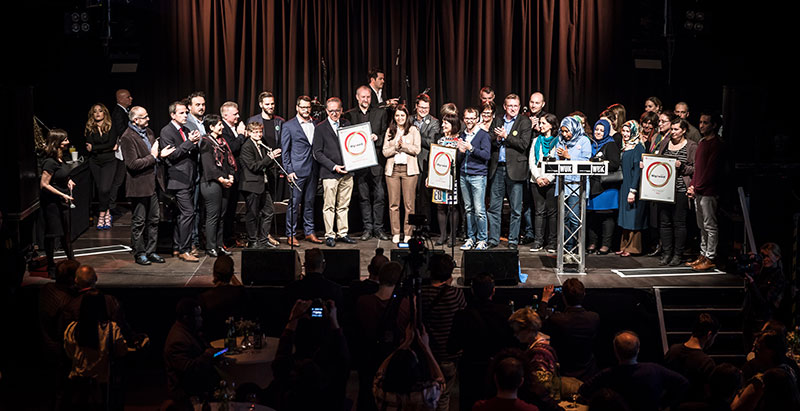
{"points": [[601, 252], [381, 235], [142, 260], [330, 242], [665, 259], [268, 245], [155, 258], [346, 239], [366, 236], [212, 253], [223, 251]]}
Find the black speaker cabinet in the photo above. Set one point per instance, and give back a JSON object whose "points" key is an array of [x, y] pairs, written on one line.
{"points": [[269, 267], [342, 266], [502, 264], [400, 254]]}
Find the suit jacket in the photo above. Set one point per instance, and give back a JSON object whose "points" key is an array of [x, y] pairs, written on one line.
{"points": [[428, 130], [379, 122], [254, 163], [189, 371], [140, 165], [326, 148], [193, 124], [517, 144], [572, 333], [119, 121], [390, 150], [373, 102], [269, 140], [296, 150], [182, 163]]}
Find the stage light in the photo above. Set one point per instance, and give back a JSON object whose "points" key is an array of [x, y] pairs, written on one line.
{"points": [[690, 14], [84, 16], [76, 17], [698, 27], [85, 27], [75, 27], [700, 16], [688, 25]]}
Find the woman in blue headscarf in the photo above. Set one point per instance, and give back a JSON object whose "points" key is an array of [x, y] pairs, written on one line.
{"points": [[603, 195], [573, 144], [632, 212]]}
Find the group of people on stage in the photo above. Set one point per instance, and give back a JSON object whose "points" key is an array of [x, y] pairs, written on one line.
{"points": [[202, 164]]}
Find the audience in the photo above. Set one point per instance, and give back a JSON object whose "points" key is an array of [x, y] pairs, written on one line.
{"points": [[690, 360], [770, 350], [724, 382], [540, 355], [508, 378], [314, 284], [53, 299], [644, 386], [479, 332], [228, 298], [86, 282]]}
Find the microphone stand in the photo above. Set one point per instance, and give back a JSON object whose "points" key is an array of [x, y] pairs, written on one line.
{"points": [[292, 184]]}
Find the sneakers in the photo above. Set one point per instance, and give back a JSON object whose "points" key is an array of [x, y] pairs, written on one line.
{"points": [[406, 239], [481, 245], [536, 248], [396, 238], [468, 245]]}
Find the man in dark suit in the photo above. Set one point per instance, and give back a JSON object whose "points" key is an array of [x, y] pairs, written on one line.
{"points": [[429, 129], [196, 103], [141, 152], [297, 137], [370, 180], [314, 285], [337, 183], [257, 161], [189, 360], [234, 134], [377, 79], [508, 169], [271, 137], [182, 176], [119, 123], [572, 332]]}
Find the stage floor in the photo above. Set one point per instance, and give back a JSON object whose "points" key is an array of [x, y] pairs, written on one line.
{"points": [[108, 252]]}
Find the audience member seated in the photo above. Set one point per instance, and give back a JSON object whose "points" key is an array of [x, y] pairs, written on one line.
{"points": [[690, 360], [542, 358], [90, 343], [644, 386], [479, 332], [763, 292], [770, 350], [187, 357], [228, 298], [440, 301], [53, 298], [371, 283], [607, 400], [312, 363], [86, 281], [382, 319], [409, 378], [775, 389], [508, 377], [531, 391], [723, 384], [313, 285], [572, 332]]}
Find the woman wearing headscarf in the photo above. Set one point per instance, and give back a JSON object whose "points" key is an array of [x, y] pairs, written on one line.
{"points": [[573, 144], [603, 196], [542, 185], [632, 212]]}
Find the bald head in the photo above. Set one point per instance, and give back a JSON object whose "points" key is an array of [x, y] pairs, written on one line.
{"points": [[626, 346], [536, 103], [85, 277], [124, 98]]}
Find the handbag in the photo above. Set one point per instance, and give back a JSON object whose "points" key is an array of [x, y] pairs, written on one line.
{"points": [[613, 177]]}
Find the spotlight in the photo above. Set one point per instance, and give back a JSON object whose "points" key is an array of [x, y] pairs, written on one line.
{"points": [[75, 27], [699, 16], [84, 16], [698, 26], [690, 14], [75, 17], [688, 25], [85, 27]]}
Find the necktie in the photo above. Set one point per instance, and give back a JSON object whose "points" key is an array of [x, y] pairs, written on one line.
{"points": [[183, 136]]}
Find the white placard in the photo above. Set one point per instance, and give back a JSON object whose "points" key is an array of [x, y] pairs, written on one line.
{"points": [[358, 149], [658, 178], [440, 167]]}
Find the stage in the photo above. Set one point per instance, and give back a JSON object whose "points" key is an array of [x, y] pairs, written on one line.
{"points": [[109, 253]]}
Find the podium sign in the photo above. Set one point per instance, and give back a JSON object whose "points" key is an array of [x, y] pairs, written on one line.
{"points": [[658, 179], [575, 168], [358, 149]]}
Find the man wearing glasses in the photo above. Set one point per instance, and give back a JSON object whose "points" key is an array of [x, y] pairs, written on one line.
{"points": [[297, 138], [474, 150], [337, 183]]}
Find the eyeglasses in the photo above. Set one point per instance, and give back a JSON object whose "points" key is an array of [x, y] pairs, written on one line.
{"points": [[335, 111], [304, 107]]}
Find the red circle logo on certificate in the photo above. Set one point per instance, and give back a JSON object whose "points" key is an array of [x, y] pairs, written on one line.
{"points": [[355, 143], [658, 174], [441, 164]]}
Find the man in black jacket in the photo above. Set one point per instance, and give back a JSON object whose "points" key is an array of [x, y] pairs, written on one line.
{"points": [[257, 162], [119, 123], [508, 169], [233, 133], [337, 183], [182, 176], [370, 180]]}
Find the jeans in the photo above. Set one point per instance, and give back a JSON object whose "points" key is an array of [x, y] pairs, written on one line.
{"points": [[544, 202], [527, 209], [308, 185], [706, 207], [473, 190], [571, 221], [502, 186]]}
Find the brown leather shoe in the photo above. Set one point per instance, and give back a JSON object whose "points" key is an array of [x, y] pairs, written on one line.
{"points": [[175, 253], [188, 258], [311, 238], [699, 260], [293, 242], [195, 252], [272, 240], [704, 265]]}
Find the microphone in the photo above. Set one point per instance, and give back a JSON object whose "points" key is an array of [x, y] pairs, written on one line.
{"points": [[397, 59], [426, 91]]}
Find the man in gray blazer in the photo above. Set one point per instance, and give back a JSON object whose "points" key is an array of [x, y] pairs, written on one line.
{"points": [[429, 130]]}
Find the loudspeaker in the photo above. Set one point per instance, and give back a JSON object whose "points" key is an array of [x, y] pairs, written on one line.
{"points": [[502, 264], [269, 267], [342, 266], [399, 255]]}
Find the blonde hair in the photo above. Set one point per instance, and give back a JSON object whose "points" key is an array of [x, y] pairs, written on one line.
{"points": [[91, 124], [526, 318]]}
